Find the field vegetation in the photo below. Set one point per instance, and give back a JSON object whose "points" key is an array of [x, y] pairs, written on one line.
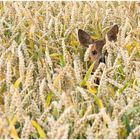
{"points": [[47, 87]]}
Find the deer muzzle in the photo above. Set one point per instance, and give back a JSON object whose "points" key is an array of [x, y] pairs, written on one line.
{"points": [[102, 59]]}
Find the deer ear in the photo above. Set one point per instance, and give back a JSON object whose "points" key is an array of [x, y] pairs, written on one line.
{"points": [[112, 33], [84, 38]]}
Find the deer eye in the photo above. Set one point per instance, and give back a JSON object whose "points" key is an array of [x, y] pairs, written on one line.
{"points": [[94, 52]]}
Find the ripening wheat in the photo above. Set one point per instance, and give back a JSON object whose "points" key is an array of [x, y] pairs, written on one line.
{"points": [[47, 88]]}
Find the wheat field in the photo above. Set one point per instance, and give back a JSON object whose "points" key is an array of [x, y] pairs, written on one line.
{"points": [[47, 88]]}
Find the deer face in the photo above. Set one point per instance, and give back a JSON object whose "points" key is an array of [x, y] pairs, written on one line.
{"points": [[96, 54]]}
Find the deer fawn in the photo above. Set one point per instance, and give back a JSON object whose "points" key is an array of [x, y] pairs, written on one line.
{"points": [[96, 54]]}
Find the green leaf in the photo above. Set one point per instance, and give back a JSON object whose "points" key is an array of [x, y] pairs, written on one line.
{"points": [[98, 101], [133, 110], [126, 118], [124, 87], [136, 45], [34, 136], [8, 33], [121, 71], [39, 129], [55, 113], [83, 110], [88, 74], [13, 133], [127, 123], [49, 98], [62, 60], [55, 55]]}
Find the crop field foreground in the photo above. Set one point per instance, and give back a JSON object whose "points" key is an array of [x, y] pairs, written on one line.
{"points": [[48, 89]]}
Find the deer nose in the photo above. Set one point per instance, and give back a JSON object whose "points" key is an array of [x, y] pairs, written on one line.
{"points": [[102, 59]]}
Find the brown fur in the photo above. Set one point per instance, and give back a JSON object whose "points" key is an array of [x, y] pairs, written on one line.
{"points": [[96, 55]]}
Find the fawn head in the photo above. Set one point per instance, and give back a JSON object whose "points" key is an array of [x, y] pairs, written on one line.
{"points": [[96, 54]]}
